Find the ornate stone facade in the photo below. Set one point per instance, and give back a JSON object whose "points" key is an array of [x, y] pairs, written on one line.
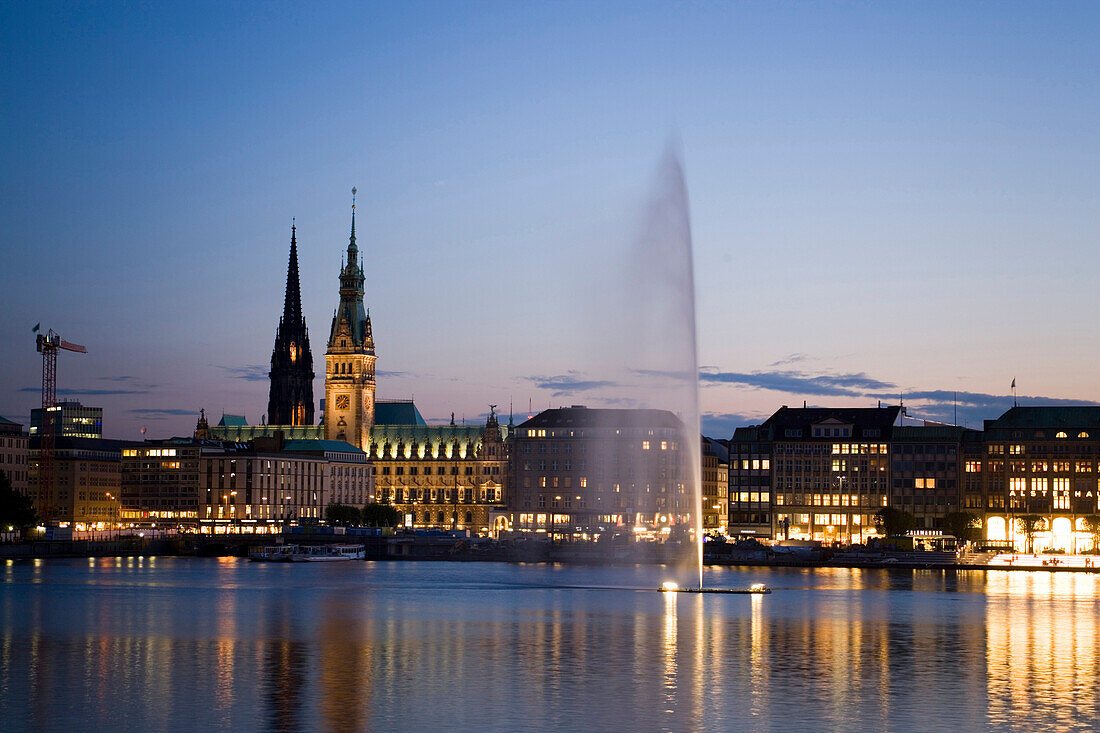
{"points": [[349, 359]]}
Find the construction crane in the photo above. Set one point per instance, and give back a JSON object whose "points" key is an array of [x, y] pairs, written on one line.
{"points": [[48, 345]]}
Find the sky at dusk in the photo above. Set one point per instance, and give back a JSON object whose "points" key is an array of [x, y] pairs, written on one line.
{"points": [[885, 199]]}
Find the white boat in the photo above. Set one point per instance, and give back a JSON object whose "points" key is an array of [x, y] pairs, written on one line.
{"points": [[328, 553], [272, 553]]}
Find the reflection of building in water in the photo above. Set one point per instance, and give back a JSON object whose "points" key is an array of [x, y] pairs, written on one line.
{"points": [[1041, 650], [583, 471], [345, 668]]}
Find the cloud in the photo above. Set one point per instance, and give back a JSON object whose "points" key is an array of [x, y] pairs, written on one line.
{"points": [[564, 384], [250, 372], [794, 382], [384, 373], [969, 408], [124, 378], [722, 425], [155, 412], [88, 392], [790, 359]]}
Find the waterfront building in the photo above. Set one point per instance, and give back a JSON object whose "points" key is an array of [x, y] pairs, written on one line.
{"points": [[87, 488], [221, 486], [715, 481], [70, 418], [581, 472], [290, 398], [926, 470], [812, 473], [750, 485], [440, 476], [1042, 461], [14, 454], [160, 482]]}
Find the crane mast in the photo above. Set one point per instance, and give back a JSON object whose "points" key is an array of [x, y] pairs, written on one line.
{"points": [[48, 345]]}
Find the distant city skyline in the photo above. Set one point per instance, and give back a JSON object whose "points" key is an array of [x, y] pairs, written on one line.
{"points": [[886, 201]]}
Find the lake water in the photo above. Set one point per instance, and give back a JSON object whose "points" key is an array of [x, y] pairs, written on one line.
{"points": [[185, 644]]}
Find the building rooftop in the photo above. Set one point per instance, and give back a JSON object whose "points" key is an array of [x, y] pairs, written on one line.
{"points": [[580, 416], [1049, 416], [397, 412], [328, 446]]}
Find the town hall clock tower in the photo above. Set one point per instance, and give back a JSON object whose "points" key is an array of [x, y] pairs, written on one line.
{"points": [[349, 359]]}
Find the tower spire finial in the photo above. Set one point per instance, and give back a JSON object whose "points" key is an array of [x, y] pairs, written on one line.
{"points": [[351, 243]]}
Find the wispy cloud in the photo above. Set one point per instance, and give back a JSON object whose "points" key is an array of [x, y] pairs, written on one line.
{"points": [[124, 378], [564, 384], [722, 424], [795, 382], [249, 372], [87, 392], [384, 373], [155, 412], [790, 359]]}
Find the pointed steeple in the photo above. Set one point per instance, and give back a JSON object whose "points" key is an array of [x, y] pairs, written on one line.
{"points": [[292, 303], [351, 295], [290, 398], [353, 251]]}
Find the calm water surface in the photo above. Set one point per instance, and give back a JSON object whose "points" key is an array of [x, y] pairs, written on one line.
{"points": [[184, 644]]}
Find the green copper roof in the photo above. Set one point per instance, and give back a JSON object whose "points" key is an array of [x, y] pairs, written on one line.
{"points": [[244, 433], [397, 413], [232, 420], [330, 446]]}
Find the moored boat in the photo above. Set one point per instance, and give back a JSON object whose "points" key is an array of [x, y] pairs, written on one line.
{"points": [[328, 553]]}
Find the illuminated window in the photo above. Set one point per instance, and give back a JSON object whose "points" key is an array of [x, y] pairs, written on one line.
{"points": [[1082, 435], [645, 445], [1061, 434]]}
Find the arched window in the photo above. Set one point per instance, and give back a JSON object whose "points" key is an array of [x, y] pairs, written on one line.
{"points": [[469, 517]]}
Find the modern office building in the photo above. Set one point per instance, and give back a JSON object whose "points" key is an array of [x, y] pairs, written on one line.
{"points": [[70, 419]]}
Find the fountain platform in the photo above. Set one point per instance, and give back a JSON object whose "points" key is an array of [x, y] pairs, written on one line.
{"points": [[758, 589]]}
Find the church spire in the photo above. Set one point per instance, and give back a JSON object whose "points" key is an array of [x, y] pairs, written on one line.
{"points": [[292, 303], [290, 398]]}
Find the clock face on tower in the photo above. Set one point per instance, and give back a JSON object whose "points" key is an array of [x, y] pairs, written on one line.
{"points": [[342, 402]]}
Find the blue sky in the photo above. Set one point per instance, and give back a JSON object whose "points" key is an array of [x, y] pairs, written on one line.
{"points": [[885, 198]]}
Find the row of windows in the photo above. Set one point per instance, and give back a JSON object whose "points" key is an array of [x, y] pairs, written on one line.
{"points": [[439, 470]]}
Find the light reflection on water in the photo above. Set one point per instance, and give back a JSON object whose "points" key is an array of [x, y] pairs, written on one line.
{"points": [[181, 644]]}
